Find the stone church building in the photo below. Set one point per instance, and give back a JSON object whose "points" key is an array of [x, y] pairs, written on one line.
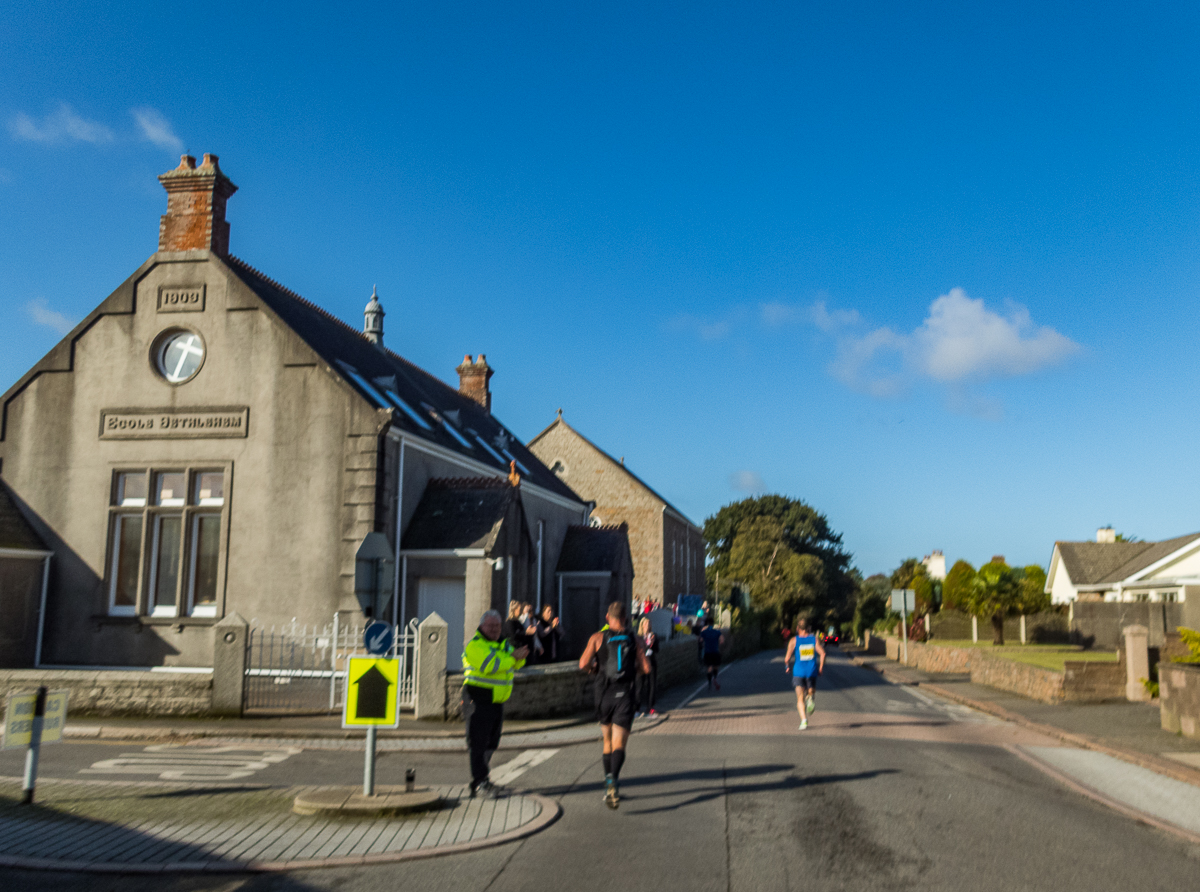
{"points": [[667, 548], [206, 441]]}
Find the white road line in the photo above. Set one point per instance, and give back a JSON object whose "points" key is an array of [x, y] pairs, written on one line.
{"points": [[514, 768], [181, 762]]}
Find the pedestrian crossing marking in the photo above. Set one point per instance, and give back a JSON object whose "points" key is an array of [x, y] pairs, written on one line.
{"points": [[514, 768], [179, 762]]}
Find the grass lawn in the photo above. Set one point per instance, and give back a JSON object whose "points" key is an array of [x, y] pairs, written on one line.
{"points": [[1047, 656]]}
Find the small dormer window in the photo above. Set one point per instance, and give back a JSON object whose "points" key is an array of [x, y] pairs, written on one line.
{"points": [[178, 355]]}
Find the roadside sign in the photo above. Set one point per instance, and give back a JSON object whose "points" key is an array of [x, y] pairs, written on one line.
{"points": [[378, 638], [18, 719], [372, 693], [904, 600], [689, 605]]}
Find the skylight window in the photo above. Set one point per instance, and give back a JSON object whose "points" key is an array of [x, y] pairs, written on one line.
{"points": [[365, 385], [408, 410], [524, 470], [455, 434], [484, 443]]}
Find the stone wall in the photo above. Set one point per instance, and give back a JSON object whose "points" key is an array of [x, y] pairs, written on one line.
{"points": [[1091, 681], [1083, 681], [1179, 698], [561, 689], [117, 693]]}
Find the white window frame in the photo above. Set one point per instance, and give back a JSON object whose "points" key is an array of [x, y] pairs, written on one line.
{"points": [[188, 509]]}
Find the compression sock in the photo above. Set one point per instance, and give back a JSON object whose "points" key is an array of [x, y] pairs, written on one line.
{"points": [[608, 768], [618, 759]]}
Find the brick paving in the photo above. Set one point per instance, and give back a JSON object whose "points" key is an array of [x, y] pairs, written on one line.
{"points": [[272, 840]]}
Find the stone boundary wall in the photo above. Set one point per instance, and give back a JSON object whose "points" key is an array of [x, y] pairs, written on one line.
{"points": [[1083, 680], [564, 689], [1179, 698], [109, 692], [1087, 681]]}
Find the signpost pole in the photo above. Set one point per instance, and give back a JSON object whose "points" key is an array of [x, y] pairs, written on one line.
{"points": [[904, 624], [369, 765], [35, 745]]}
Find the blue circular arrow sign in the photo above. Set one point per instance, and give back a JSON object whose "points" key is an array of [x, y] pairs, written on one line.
{"points": [[378, 638]]}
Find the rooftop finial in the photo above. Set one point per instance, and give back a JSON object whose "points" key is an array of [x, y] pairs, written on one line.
{"points": [[373, 319]]}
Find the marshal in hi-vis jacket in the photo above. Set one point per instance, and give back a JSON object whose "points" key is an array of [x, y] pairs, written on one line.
{"points": [[490, 664]]}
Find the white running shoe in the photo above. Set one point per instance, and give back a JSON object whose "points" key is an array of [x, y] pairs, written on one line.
{"points": [[804, 724]]}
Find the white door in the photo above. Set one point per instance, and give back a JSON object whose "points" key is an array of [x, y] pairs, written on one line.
{"points": [[447, 598]]}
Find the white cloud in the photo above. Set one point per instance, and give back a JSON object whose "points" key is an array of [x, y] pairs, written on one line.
{"points": [[776, 315], [828, 321], [40, 312], [60, 126], [747, 481], [960, 341], [156, 128]]}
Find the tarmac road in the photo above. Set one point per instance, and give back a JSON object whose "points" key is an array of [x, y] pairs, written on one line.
{"points": [[888, 789]]}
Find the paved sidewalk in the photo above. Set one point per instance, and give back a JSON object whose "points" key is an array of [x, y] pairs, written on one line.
{"points": [[191, 827], [1129, 731]]}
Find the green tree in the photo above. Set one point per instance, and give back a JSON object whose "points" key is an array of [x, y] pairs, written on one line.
{"points": [[995, 595], [1034, 598], [958, 585], [785, 555], [871, 602], [913, 574]]}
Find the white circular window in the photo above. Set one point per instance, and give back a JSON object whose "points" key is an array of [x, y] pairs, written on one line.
{"points": [[179, 355]]}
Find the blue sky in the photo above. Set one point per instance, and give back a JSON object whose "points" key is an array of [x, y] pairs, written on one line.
{"points": [[932, 270]]}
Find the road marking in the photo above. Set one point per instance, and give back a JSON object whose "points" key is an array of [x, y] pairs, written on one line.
{"points": [[179, 762], [514, 768]]}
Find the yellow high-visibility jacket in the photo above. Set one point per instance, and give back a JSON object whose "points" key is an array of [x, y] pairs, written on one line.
{"points": [[490, 664]]}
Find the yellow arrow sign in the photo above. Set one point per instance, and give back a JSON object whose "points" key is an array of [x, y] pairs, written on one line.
{"points": [[372, 693]]}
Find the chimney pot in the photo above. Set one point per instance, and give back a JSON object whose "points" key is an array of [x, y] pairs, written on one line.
{"points": [[1106, 534], [473, 380], [195, 217]]}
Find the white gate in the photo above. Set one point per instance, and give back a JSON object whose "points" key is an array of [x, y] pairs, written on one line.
{"points": [[297, 668]]}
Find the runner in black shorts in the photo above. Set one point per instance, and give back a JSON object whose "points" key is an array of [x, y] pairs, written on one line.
{"points": [[616, 655], [711, 640]]}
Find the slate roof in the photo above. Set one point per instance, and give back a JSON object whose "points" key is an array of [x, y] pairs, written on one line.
{"points": [[15, 531], [1100, 563], [459, 513], [619, 464], [593, 549], [440, 410]]}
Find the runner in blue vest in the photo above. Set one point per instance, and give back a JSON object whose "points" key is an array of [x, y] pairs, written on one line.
{"points": [[802, 662], [616, 655]]}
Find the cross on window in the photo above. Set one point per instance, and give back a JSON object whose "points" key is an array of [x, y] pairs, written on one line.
{"points": [[181, 357]]}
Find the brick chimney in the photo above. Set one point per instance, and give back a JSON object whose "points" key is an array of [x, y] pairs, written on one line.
{"points": [[473, 378], [195, 217]]}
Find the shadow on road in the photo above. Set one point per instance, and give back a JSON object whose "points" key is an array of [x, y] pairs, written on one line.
{"points": [[791, 782]]}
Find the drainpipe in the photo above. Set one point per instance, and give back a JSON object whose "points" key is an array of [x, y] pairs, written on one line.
{"points": [[541, 532], [41, 627], [398, 584]]}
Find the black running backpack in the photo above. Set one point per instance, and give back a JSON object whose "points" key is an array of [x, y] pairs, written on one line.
{"points": [[621, 662]]}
